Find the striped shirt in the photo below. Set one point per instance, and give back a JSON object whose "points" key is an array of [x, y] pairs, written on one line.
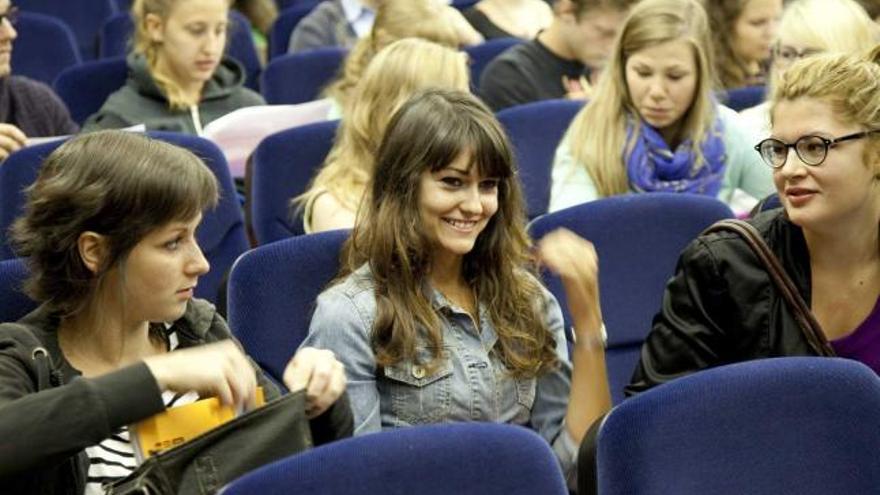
{"points": [[113, 458]]}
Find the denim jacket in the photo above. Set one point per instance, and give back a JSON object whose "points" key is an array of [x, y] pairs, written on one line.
{"points": [[471, 384]]}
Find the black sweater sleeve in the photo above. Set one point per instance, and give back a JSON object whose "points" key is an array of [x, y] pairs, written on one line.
{"points": [[38, 428]]}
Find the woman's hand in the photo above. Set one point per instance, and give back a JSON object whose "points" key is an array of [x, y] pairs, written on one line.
{"points": [[220, 369], [574, 260], [317, 371], [11, 140]]}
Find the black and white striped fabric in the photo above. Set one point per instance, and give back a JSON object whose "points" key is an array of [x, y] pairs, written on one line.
{"points": [[114, 458]]}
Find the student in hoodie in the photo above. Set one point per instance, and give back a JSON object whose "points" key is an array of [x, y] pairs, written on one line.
{"points": [[178, 78]]}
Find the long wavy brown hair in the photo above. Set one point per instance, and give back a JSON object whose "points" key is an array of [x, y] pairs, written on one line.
{"points": [[427, 134]]}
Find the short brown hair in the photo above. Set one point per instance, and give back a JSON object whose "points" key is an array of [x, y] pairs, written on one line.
{"points": [[121, 185]]}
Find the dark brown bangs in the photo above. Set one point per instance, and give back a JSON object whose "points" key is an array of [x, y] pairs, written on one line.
{"points": [[483, 138]]}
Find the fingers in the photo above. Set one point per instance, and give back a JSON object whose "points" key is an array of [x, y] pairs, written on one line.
{"points": [[11, 140], [320, 374], [568, 255]]}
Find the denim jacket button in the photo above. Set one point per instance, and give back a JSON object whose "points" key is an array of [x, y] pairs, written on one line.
{"points": [[418, 372]]}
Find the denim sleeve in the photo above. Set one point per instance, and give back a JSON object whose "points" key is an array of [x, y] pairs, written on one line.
{"points": [[340, 326], [552, 395]]}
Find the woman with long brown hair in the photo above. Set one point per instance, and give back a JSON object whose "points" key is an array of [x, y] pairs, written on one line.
{"points": [[437, 313]]}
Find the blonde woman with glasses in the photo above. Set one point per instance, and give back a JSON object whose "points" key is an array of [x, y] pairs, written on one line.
{"points": [[721, 306]]}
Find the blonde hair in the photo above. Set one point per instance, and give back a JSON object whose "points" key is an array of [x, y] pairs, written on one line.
{"points": [[397, 72], [146, 46], [840, 26], [395, 20], [597, 135], [850, 83]]}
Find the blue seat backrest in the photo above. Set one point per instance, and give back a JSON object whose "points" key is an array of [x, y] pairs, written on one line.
{"points": [[456, 458], [117, 31], [279, 35], [742, 98], [480, 55], [638, 239], [13, 302], [535, 130], [283, 167], [804, 425], [221, 234], [272, 293], [45, 46], [84, 17], [85, 88], [300, 77]]}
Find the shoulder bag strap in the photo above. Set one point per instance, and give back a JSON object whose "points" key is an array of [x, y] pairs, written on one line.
{"points": [[802, 314]]}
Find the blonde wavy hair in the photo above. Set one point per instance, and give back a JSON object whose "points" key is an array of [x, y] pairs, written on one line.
{"points": [[850, 83], [143, 44], [397, 72], [597, 134], [395, 20]]}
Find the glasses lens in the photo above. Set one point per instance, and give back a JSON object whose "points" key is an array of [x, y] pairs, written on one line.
{"points": [[773, 152], [811, 149]]}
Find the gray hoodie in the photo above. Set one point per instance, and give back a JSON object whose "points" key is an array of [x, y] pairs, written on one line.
{"points": [[141, 101]]}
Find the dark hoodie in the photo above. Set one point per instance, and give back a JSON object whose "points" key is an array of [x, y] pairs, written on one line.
{"points": [[141, 101]]}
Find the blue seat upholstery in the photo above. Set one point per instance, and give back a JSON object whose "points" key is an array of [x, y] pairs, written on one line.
{"points": [[85, 88], [742, 98], [300, 77], [279, 35], [117, 31], [13, 302], [221, 234], [286, 4], [272, 293], [84, 17], [638, 239], [480, 55], [283, 167], [461, 459], [44, 47], [802, 425], [535, 130]]}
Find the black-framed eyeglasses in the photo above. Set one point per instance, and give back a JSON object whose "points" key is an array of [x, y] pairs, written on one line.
{"points": [[10, 15], [789, 54], [812, 150]]}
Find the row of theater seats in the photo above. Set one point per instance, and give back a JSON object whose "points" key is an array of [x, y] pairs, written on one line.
{"points": [[46, 46], [283, 165], [787, 425], [291, 79]]}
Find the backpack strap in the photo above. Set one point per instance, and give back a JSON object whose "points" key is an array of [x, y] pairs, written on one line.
{"points": [[802, 314]]}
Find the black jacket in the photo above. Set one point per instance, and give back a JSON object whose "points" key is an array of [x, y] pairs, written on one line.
{"points": [[721, 306], [43, 434]]}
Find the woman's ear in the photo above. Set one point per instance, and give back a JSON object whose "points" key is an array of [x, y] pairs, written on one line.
{"points": [[154, 27], [92, 250], [565, 10]]}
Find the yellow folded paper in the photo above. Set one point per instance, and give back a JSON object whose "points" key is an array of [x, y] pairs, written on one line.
{"points": [[179, 424]]}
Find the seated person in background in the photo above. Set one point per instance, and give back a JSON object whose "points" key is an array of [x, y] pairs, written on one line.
{"points": [[743, 33], [396, 73], [109, 235], [178, 78], [431, 20], [509, 18], [333, 23], [437, 313], [653, 124], [809, 27], [563, 58], [261, 14], [721, 306], [27, 108]]}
